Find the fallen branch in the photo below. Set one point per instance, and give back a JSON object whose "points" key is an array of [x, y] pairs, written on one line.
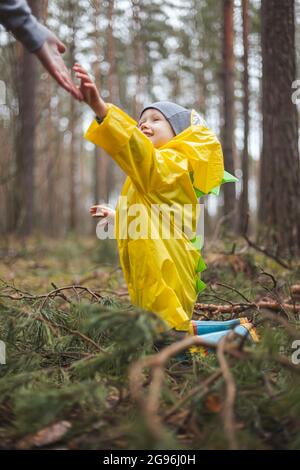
{"points": [[267, 253], [228, 405], [200, 391], [295, 289], [57, 292], [41, 318], [82, 336], [241, 307], [149, 404], [234, 290], [54, 327], [281, 321]]}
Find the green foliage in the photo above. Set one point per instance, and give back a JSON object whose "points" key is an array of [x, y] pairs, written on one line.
{"points": [[68, 360]]}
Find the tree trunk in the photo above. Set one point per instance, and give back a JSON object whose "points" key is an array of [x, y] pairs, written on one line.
{"points": [[73, 169], [244, 202], [138, 58], [23, 211], [51, 226], [73, 155], [101, 160], [111, 57], [279, 211], [228, 97], [113, 89]]}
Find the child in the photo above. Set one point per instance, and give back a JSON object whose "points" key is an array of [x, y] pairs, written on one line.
{"points": [[170, 158]]}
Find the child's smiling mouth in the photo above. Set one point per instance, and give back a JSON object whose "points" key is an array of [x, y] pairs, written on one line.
{"points": [[147, 134]]}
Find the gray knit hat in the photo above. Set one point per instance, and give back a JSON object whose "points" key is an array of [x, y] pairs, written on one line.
{"points": [[178, 117]]}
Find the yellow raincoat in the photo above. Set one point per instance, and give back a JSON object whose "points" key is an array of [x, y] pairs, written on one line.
{"points": [[162, 275]]}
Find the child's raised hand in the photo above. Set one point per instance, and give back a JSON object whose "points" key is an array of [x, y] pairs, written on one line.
{"points": [[89, 91]]}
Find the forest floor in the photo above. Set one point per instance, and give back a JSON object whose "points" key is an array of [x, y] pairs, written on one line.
{"points": [[83, 369]]}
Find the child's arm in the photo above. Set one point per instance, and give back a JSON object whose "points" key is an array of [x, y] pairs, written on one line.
{"points": [[90, 93], [152, 169]]}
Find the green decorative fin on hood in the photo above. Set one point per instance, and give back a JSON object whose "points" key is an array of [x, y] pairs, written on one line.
{"points": [[200, 286], [201, 266], [227, 178], [197, 242]]}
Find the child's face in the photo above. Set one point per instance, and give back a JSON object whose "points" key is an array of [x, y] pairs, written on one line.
{"points": [[155, 126]]}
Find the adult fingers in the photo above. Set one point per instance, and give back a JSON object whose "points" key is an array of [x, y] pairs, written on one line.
{"points": [[60, 46], [62, 76], [66, 82]]}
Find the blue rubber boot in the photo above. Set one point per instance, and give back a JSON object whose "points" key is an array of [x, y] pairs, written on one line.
{"points": [[202, 327], [247, 330], [244, 330]]}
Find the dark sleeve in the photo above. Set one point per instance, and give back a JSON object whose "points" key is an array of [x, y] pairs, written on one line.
{"points": [[16, 16], [99, 119]]}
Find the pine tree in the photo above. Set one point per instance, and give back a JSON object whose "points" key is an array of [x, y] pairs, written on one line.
{"points": [[279, 211], [228, 103], [244, 202]]}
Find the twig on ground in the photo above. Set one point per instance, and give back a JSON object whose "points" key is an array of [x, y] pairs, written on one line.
{"points": [[267, 253], [267, 315], [237, 308], [228, 405], [199, 390], [57, 292], [149, 404], [233, 289]]}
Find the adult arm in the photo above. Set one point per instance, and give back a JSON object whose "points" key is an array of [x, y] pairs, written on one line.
{"points": [[16, 16]]}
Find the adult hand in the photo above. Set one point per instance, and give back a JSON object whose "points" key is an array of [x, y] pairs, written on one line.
{"points": [[50, 56]]}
